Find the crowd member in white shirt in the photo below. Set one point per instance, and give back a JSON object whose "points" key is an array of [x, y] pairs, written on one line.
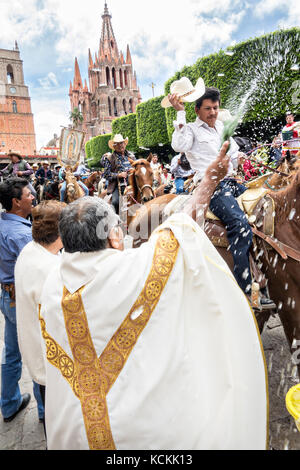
{"points": [[201, 141], [166, 177], [156, 167], [33, 265]]}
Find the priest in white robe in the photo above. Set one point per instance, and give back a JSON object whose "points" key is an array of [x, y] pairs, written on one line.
{"points": [[154, 348]]}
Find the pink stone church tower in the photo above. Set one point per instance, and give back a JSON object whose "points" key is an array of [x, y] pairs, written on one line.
{"points": [[112, 90]]}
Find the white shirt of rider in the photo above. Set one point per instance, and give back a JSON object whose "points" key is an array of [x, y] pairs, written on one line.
{"points": [[201, 143]]}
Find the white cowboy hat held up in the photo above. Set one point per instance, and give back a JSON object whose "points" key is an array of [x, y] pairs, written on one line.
{"points": [[118, 138], [185, 90]]}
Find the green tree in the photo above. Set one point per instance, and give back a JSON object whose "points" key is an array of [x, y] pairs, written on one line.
{"points": [[76, 117]]}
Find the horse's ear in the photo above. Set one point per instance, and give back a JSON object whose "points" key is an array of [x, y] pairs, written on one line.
{"points": [[130, 161], [149, 159]]}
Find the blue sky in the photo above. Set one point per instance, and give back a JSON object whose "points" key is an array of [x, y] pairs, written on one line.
{"points": [[164, 35]]}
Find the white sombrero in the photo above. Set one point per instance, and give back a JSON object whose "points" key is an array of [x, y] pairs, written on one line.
{"points": [[118, 138], [185, 90]]}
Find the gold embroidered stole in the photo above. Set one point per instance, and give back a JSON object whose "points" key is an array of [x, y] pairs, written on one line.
{"points": [[91, 377]]}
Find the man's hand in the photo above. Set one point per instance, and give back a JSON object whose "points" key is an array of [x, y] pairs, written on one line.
{"points": [[19, 173], [122, 175], [175, 102]]}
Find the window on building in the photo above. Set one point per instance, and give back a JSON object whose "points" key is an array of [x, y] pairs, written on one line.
{"points": [[130, 105], [10, 74], [115, 107], [121, 79], [109, 107], [107, 76], [114, 81], [124, 106], [125, 78], [14, 106]]}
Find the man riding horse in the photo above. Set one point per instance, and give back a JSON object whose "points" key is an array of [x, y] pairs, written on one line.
{"points": [[201, 141], [116, 169]]}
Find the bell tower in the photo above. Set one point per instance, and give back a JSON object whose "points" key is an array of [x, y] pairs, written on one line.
{"points": [[16, 119], [113, 89]]}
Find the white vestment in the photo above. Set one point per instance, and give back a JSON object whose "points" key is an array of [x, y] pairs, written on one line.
{"points": [[196, 379], [32, 268]]}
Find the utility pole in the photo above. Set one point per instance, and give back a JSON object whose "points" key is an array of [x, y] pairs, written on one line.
{"points": [[152, 86]]}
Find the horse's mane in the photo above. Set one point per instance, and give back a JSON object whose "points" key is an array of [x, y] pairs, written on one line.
{"points": [[286, 198]]}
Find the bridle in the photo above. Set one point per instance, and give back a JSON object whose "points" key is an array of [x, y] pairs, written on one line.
{"points": [[143, 187]]}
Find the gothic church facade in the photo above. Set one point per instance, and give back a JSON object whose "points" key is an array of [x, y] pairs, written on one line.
{"points": [[112, 90]]}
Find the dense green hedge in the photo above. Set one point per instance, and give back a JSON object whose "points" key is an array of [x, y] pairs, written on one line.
{"points": [[151, 123], [259, 67], [126, 125], [98, 147], [88, 153]]}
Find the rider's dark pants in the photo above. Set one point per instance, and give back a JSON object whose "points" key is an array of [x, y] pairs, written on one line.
{"points": [[115, 197], [224, 205]]}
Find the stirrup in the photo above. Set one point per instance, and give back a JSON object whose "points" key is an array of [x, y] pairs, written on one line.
{"points": [[259, 302]]}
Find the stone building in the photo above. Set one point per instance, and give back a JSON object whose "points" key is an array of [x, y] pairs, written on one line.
{"points": [[112, 91], [16, 119]]}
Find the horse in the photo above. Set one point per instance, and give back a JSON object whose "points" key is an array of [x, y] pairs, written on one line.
{"points": [[51, 190], [278, 181], [73, 190], [92, 182], [281, 267], [140, 182]]}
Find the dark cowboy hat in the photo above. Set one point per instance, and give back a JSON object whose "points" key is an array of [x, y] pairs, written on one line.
{"points": [[11, 153]]}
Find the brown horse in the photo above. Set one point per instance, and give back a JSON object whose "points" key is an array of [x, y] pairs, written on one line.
{"points": [[140, 186], [278, 181], [73, 190], [92, 181], [283, 274]]}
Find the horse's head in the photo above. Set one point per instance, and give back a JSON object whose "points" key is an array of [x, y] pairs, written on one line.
{"points": [[143, 175]]}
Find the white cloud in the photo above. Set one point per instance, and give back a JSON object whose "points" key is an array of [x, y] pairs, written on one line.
{"points": [[289, 10], [24, 21], [49, 116], [49, 81]]}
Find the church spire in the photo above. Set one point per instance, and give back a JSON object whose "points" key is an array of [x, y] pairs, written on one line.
{"points": [[108, 41], [77, 77], [128, 56]]}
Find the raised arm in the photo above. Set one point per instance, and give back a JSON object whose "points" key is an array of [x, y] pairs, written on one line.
{"points": [[199, 202], [182, 139]]}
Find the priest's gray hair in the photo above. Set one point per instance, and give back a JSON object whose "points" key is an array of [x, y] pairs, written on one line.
{"points": [[85, 224]]}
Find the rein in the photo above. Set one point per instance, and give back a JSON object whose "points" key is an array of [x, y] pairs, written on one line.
{"points": [[284, 250]]}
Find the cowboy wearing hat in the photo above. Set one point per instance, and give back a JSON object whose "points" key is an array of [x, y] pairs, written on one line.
{"points": [[18, 167], [117, 167], [44, 173], [201, 141]]}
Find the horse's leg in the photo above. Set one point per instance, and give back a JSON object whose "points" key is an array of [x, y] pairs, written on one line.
{"points": [[284, 290]]}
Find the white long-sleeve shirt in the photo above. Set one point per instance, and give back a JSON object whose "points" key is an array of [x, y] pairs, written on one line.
{"points": [[201, 143]]}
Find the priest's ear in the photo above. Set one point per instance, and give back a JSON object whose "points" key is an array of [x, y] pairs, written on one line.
{"points": [[116, 238]]}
